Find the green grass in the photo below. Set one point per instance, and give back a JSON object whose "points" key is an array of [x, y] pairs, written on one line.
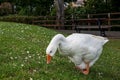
{"points": [[22, 57]]}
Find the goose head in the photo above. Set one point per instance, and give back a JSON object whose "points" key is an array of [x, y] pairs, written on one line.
{"points": [[50, 51], [53, 45]]}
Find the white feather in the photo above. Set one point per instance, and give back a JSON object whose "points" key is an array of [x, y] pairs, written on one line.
{"points": [[80, 48]]}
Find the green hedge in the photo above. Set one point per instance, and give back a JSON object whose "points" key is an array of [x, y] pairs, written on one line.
{"points": [[19, 19]]}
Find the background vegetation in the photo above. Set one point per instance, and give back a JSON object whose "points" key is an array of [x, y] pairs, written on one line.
{"points": [[43, 7]]}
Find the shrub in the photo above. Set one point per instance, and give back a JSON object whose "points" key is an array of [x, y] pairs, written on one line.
{"points": [[5, 8], [19, 19]]}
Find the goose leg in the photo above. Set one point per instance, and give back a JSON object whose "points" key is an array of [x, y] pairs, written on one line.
{"points": [[86, 71]]}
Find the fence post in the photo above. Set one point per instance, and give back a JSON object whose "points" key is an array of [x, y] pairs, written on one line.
{"points": [[102, 32], [109, 22], [88, 16]]}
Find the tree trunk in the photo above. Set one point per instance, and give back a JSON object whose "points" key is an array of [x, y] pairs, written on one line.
{"points": [[59, 4]]}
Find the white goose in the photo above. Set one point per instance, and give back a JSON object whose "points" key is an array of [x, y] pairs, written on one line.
{"points": [[82, 49]]}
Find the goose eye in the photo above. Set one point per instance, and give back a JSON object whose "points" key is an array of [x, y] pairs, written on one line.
{"points": [[50, 51]]}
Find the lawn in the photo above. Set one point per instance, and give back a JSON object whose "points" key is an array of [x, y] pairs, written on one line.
{"points": [[23, 57]]}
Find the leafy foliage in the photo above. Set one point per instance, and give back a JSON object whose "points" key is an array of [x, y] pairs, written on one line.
{"points": [[42, 7], [31, 7], [115, 6], [95, 6]]}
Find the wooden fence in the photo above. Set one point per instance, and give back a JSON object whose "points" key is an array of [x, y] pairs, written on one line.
{"points": [[87, 21]]}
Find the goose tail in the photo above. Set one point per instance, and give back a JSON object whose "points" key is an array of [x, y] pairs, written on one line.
{"points": [[106, 40]]}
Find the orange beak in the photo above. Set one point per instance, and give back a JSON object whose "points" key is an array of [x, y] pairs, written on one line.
{"points": [[48, 58]]}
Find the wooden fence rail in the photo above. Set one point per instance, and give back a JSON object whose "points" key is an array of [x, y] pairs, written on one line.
{"points": [[86, 21]]}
